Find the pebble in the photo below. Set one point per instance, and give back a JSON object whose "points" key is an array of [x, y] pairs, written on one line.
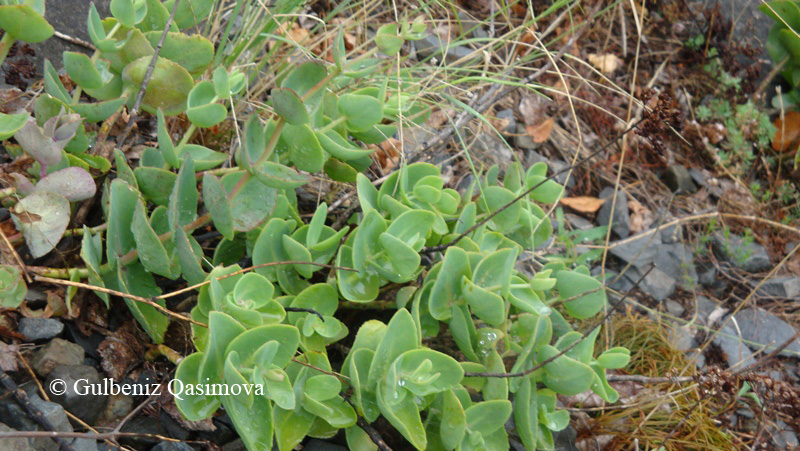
{"points": [[36, 329], [55, 353], [621, 216], [77, 397], [751, 257]]}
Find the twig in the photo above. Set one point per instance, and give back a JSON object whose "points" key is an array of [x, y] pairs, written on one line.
{"points": [[648, 380], [565, 350], [373, 434], [33, 412], [135, 110], [132, 297], [242, 271], [16, 256], [491, 215], [74, 40]]}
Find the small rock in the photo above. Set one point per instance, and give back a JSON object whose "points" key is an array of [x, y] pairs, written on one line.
{"points": [[784, 437], [116, 408], [522, 140], [15, 443], [709, 277], [674, 308], [56, 352], [621, 217], [698, 177], [556, 166], [765, 329], [737, 354], [172, 446], [783, 287], [83, 394], [57, 417], [678, 179], [493, 149], [683, 338], [433, 45], [142, 425], [508, 114], [40, 328], [565, 439], [578, 222], [658, 284], [732, 249]]}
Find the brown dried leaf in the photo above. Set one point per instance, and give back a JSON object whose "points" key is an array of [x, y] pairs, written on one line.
{"points": [[540, 132], [121, 350], [583, 204], [787, 131], [606, 63], [641, 217]]}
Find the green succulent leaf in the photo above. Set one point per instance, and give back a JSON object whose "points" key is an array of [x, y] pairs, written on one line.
{"points": [[583, 294], [362, 111], [202, 109], [216, 201], [192, 52], [289, 106], [168, 86], [24, 23], [42, 217], [12, 287]]}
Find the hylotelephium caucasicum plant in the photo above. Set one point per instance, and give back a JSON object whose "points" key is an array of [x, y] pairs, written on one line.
{"points": [[444, 260]]}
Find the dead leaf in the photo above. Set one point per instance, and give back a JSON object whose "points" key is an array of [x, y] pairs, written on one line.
{"points": [[787, 131], [121, 350], [583, 204], [641, 217], [388, 155], [8, 357], [540, 132], [606, 63]]}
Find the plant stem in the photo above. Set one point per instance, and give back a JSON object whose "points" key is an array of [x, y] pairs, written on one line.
{"points": [[334, 123], [163, 351], [5, 46], [187, 135]]}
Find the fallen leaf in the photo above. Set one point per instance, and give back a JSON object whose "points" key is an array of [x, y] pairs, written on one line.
{"points": [[540, 132], [787, 131], [583, 204], [605, 63], [388, 155], [121, 350], [641, 217]]}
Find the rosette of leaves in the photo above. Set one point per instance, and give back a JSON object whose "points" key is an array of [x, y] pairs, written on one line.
{"points": [[524, 222], [393, 375], [43, 212], [280, 240], [22, 20], [233, 355], [382, 251], [12, 286], [318, 328]]}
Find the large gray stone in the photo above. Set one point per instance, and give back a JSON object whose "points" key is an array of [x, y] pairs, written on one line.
{"points": [[737, 354], [433, 46], [673, 265], [678, 179], [732, 249], [82, 395], [784, 287], [57, 352], [15, 443], [765, 329], [621, 216]]}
